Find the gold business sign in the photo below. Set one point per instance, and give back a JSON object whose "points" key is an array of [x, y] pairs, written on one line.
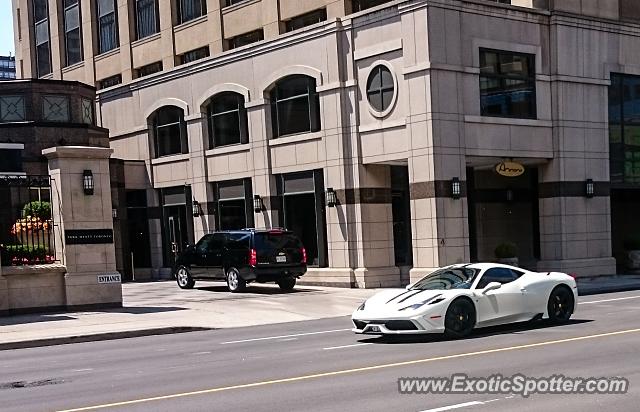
{"points": [[509, 169]]}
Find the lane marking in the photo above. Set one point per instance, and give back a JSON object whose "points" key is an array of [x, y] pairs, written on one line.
{"points": [[348, 346], [83, 370], [202, 353], [284, 336], [287, 339], [456, 406], [354, 370], [608, 300]]}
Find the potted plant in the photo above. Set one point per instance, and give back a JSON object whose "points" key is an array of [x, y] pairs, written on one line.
{"points": [[632, 247], [507, 253]]}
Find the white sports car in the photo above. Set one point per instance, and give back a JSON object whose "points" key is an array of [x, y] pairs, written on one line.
{"points": [[456, 299]]}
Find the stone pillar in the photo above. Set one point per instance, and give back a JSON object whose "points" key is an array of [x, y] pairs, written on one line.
{"points": [[376, 258], [82, 221]]}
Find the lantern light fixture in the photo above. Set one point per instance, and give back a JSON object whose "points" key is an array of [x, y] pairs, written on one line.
{"points": [[257, 203], [88, 184], [331, 198], [456, 188]]}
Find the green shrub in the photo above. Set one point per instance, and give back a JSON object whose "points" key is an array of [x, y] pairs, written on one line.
{"points": [[632, 242], [37, 209], [23, 254], [506, 250]]}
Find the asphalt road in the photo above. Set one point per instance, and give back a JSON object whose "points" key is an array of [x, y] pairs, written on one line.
{"points": [[321, 366]]}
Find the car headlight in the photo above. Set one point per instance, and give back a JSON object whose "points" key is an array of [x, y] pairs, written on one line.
{"points": [[430, 301], [361, 307]]}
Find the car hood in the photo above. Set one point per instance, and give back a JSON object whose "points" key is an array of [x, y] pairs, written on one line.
{"points": [[393, 300]]}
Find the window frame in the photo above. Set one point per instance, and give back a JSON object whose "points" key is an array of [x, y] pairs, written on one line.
{"points": [[67, 32], [312, 100], [530, 79], [156, 17], [180, 14], [100, 17], [38, 46], [243, 137], [182, 127], [306, 19], [480, 285], [381, 64]]}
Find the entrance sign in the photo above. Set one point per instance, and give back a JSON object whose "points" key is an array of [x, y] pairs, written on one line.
{"points": [[509, 169], [109, 278]]}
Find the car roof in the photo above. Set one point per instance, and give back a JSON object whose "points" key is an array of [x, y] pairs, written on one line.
{"points": [[486, 265]]}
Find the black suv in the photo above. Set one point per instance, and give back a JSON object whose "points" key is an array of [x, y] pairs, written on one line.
{"points": [[244, 256]]}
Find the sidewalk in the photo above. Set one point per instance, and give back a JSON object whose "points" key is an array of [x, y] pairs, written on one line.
{"points": [[161, 308]]}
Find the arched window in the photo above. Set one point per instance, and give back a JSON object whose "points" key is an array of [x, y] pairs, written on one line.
{"points": [[295, 106], [170, 132], [227, 120]]}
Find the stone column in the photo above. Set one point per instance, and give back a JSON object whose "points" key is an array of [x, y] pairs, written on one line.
{"points": [[91, 279]]}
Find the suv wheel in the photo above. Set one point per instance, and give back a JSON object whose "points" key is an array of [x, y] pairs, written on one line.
{"points": [[184, 279], [287, 283], [235, 283]]}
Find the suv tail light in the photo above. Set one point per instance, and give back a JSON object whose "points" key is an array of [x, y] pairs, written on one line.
{"points": [[253, 257], [304, 255]]}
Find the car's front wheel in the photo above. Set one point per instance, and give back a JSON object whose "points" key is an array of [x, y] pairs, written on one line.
{"points": [[184, 278], [560, 305], [460, 318], [287, 283], [235, 282]]}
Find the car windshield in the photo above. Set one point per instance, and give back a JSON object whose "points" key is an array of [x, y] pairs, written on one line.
{"points": [[447, 278]]}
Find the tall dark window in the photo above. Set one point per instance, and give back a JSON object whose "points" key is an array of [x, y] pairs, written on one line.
{"points": [[227, 120], [146, 18], [359, 5], [41, 29], [307, 19], [190, 9], [380, 88], [244, 39], [170, 131], [107, 26], [624, 128], [234, 204], [295, 106], [507, 84], [72, 35]]}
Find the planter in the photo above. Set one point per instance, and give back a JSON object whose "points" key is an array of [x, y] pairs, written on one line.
{"points": [[633, 260], [512, 261]]}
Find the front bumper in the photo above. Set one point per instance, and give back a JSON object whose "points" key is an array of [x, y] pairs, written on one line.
{"points": [[413, 326]]}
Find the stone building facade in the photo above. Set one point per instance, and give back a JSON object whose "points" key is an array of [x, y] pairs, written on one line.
{"points": [[402, 110]]}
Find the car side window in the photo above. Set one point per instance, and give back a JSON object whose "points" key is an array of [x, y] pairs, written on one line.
{"points": [[203, 245], [500, 275], [239, 241], [217, 242]]}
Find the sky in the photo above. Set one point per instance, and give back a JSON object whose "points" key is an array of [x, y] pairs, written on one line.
{"points": [[6, 28]]}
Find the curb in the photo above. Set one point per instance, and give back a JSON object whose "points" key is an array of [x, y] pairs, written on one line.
{"points": [[99, 337], [596, 290]]}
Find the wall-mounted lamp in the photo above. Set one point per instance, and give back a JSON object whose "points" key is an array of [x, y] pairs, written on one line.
{"points": [[590, 188], [331, 199], [456, 188], [196, 209], [257, 204], [114, 213], [87, 182]]}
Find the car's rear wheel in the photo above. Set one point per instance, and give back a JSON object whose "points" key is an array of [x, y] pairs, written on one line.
{"points": [[235, 282], [287, 283], [184, 278], [560, 306], [460, 318]]}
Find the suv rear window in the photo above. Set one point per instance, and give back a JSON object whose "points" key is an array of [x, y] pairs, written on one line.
{"points": [[276, 240]]}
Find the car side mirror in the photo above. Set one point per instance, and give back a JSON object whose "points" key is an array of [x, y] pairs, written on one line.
{"points": [[408, 286], [491, 286]]}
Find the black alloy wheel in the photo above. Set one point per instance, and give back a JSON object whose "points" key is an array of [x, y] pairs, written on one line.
{"points": [[560, 306], [459, 319]]}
